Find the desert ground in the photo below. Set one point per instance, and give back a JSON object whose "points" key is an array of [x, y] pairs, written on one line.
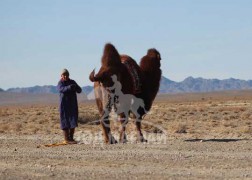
{"points": [[190, 136]]}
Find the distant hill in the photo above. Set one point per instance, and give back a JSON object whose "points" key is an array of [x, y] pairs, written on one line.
{"points": [[1, 90], [190, 84], [87, 89], [9, 98], [44, 90], [35, 90]]}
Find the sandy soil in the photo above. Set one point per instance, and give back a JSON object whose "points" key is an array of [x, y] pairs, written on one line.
{"points": [[22, 158], [189, 138]]}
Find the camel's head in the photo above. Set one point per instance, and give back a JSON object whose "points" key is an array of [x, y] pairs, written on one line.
{"points": [[104, 76]]}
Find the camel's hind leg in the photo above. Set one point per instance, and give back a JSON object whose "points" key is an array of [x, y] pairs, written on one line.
{"points": [[140, 137], [137, 108], [138, 118]]}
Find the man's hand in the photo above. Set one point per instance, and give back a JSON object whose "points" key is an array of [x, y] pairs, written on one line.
{"points": [[73, 87]]}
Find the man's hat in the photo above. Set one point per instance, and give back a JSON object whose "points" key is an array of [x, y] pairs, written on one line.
{"points": [[65, 71]]}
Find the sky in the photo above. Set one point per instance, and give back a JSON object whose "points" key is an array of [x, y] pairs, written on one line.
{"points": [[198, 38]]}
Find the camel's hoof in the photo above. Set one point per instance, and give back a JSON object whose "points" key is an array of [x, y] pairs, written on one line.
{"points": [[141, 139], [112, 140], [123, 139]]}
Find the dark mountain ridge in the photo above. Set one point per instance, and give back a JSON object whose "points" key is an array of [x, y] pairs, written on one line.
{"points": [[189, 84]]}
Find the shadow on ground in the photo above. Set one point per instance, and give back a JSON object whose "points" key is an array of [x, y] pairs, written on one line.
{"points": [[215, 140]]}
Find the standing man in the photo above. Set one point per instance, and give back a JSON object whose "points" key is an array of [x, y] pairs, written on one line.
{"points": [[68, 106]]}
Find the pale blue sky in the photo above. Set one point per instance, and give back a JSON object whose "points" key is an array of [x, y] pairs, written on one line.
{"points": [[199, 38]]}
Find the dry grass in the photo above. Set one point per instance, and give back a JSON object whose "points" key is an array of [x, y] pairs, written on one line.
{"points": [[197, 117]]}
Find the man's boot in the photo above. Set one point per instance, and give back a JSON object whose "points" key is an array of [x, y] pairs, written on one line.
{"points": [[71, 135], [66, 135]]}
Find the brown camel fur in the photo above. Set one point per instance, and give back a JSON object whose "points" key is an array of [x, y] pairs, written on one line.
{"points": [[149, 73]]}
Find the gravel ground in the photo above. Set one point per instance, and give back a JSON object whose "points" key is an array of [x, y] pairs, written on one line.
{"points": [[191, 136], [25, 157]]}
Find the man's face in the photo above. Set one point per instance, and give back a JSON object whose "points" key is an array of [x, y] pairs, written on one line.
{"points": [[65, 76]]}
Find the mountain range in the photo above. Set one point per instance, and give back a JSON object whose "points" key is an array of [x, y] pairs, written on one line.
{"points": [[190, 84]]}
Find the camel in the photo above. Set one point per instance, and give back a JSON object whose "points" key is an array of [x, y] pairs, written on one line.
{"points": [[140, 81]]}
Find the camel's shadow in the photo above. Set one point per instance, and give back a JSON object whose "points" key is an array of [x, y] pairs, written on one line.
{"points": [[215, 140]]}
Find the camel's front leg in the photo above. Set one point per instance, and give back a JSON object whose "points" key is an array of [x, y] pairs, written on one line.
{"points": [[105, 123], [124, 120], [108, 138]]}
